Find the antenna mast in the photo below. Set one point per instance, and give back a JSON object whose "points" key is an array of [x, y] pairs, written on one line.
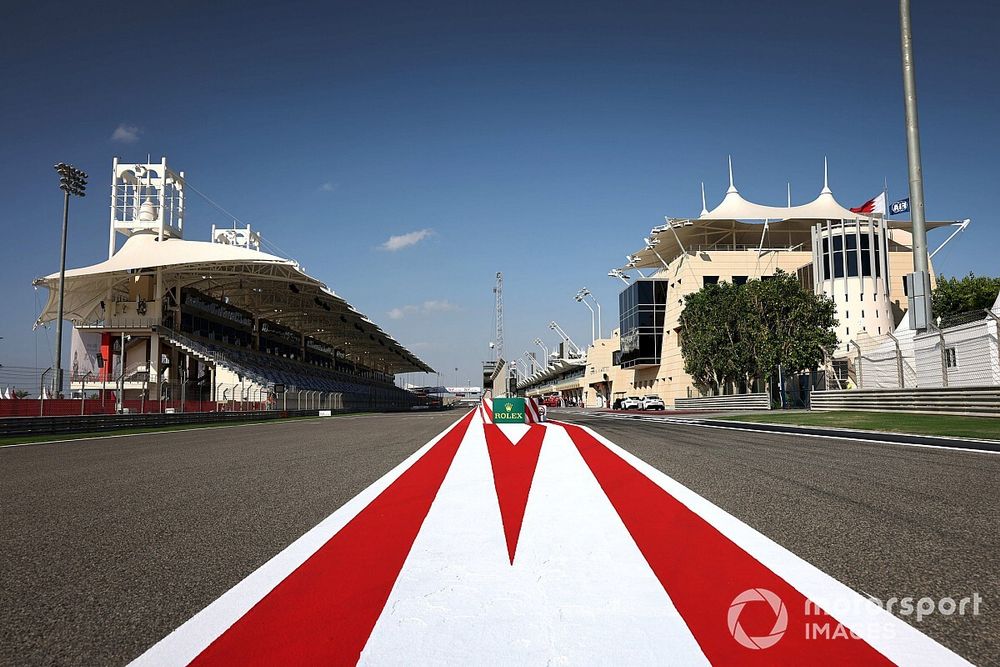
{"points": [[498, 294]]}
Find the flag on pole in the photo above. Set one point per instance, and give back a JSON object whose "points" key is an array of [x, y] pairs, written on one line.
{"points": [[901, 206], [874, 205]]}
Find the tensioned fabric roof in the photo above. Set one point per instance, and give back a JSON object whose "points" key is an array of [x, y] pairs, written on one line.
{"points": [[265, 285], [738, 223]]}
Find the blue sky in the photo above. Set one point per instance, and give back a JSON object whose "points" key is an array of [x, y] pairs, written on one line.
{"points": [[539, 139]]}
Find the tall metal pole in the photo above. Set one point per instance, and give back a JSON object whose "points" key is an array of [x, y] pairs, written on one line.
{"points": [[62, 280], [920, 260], [72, 181]]}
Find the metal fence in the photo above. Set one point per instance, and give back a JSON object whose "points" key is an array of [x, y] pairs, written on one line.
{"points": [[963, 352], [32, 393]]}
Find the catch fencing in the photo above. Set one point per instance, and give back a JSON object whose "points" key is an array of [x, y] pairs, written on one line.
{"points": [[961, 352]]}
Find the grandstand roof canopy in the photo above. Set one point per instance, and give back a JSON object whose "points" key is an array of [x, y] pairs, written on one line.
{"points": [[556, 368], [265, 285]]}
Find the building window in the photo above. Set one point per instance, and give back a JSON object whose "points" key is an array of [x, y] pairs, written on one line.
{"points": [[710, 280], [951, 359], [906, 288], [740, 280], [641, 310]]}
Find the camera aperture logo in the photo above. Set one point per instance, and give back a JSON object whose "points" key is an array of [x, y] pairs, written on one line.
{"points": [[758, 596]]}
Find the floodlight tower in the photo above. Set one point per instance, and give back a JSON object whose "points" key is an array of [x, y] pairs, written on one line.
{"points": [[573, 349], [72, 181], [539, 343]]}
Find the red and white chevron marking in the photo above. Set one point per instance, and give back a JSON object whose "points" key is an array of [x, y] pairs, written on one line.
{"points": [[537, 544]]}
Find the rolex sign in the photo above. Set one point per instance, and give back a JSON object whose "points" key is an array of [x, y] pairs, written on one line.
{"points": [[508, 410]]}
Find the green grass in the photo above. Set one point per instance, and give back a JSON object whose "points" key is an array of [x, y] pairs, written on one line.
{"points": [[983, 428], [52, 437]]}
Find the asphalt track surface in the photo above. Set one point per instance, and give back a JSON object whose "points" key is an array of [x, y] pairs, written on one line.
{"points": [[110, 544], [887, 520]]}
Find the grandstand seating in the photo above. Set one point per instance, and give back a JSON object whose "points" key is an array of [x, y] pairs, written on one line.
{"points": [[268, 370]]}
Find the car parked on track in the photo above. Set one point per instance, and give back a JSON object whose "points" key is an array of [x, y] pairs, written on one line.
{"points": [[653, 403], [632, 403]]}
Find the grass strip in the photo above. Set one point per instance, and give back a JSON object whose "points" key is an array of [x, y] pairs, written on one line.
{"points": [[955, 426]]}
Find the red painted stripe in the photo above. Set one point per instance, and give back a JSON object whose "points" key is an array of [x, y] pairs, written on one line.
{"points": [[704, 572], [324, 612], [531, 413], [513, 470]]}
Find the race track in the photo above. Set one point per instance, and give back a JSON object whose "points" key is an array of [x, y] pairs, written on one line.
{"points": [[111, 544]]}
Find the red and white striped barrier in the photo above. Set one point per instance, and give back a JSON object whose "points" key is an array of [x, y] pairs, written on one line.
{"points": [[535, 544]]}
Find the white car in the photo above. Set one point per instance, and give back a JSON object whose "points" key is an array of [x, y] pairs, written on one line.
{"points": [[653, 403], [632, 403]]}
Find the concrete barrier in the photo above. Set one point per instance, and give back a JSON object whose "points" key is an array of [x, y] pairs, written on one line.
{"points": [[97, 423], [725, 402]]}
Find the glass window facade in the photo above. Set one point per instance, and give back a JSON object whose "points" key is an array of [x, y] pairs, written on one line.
{"points": [[641, 310], [851, 254]]}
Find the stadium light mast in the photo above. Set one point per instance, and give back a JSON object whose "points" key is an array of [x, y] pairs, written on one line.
{"points": [[920, 297], [539, 343], [72, 181], [593, 328], [600, 325]]}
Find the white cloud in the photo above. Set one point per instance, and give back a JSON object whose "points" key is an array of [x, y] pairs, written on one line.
{"points": [[329, 186], [126, 134], [405, 240], [425, 308]]}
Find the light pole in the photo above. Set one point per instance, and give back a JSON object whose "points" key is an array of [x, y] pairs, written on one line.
{"points": [[620, 275], [593, 329], [539, 343], [72, 181], [922, 303], [585, 293], [532, 362]]}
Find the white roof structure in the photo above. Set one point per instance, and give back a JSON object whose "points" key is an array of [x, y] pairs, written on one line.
{"points": [[735, 207], [741, 224], [266, 285]]}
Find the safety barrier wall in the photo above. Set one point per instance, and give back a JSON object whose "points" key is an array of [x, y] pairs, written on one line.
{"points": [[975, 401], [93, 423], [759, 401]]}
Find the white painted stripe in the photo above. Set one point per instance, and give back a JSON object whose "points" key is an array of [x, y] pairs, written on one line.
{"points": [[579, 591], [890, 635], [185, 643]]}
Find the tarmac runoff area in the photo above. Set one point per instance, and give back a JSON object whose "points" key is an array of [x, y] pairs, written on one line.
{"points": [[495, 545]]}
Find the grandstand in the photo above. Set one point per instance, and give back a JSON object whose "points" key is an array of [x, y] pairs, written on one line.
{"points": [[174, 320]]}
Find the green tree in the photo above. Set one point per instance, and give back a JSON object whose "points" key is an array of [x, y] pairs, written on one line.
{"points": [[962, 295], [739, 335]]}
